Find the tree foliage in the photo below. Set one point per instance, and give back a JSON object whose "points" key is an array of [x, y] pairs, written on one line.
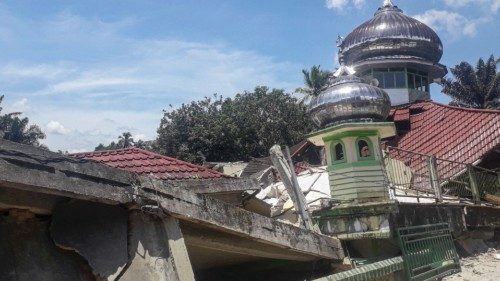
{"points": [[125, 140], [477, 87], [315, 80], [218, 129], [17, 129]]}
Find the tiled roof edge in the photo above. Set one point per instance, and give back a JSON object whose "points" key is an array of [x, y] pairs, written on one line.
{"points": [[406, 105]]}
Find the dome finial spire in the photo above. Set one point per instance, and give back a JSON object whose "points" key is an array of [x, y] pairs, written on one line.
{"points": [[388, 3]]}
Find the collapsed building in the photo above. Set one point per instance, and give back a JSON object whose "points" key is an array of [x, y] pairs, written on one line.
{"points": [[64, 218]]}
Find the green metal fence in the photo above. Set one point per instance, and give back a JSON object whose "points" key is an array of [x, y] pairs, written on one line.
{"points": [[423, 176], [428, 252]]}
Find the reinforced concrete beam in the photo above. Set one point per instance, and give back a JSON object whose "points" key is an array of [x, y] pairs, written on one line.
{"points": [[27, 168]]}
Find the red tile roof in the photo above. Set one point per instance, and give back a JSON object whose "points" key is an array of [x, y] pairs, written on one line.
{"points": [[457, 134], [144, 162]]}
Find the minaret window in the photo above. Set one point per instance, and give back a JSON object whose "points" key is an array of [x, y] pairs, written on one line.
{"points": [[398, 78], [338, 152], [418, 80], [388, 78], [365, 149]]}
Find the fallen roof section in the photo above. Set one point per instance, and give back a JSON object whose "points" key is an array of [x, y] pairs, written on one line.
{"points": [[31, 169]]}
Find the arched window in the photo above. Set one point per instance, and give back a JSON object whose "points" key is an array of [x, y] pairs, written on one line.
{"points": [[338, 152], [365, 149]]}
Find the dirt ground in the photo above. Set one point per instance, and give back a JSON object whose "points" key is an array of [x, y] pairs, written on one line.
{"points": [[482, 267]]}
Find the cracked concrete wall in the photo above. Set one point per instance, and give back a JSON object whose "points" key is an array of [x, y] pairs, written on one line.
{"points": [[84, 241], [27, 251], [96, 231], [149, 254]]}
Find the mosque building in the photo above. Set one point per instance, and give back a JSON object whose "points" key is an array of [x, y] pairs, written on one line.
{"points": [[401, 56], [380, 98], [400, 52]]}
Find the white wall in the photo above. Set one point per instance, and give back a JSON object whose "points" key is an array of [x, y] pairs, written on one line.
{"points": [[398, 96]]}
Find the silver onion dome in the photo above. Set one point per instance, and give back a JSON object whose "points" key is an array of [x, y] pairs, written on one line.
{"points": [[349, 99], [391, 34]]}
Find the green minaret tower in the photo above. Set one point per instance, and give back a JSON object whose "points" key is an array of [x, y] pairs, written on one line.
{"points": [[351, 116]]}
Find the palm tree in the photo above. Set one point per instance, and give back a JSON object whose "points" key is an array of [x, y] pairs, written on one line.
{"points": [[315, 80], [474, 87], [126, 139], [17, 129]]}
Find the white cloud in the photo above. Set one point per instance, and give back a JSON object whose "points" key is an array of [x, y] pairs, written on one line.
{"points": [[102, 83], [336, 4], [40, 71], [89, 127], [458, 3], [492, 5], [359, 3], [139, 137], [20, 106], [341, 4], [453, 24], [54, 127], [162, 72], [173, 66], [88, 84], [495, 5]]}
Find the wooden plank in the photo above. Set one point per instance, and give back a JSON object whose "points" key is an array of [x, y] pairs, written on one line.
{"points": [[359, 191], [178, 249], [360, 196], [362, 181], [358, 185], [341, 175]]}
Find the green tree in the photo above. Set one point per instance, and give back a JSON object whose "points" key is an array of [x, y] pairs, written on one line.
{"points": [[218, 129], [477, 87], [17, 129], [315, 80], [125, 140]]}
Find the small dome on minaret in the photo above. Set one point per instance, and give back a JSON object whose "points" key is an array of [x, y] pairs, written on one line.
{"points": [[349, 99]]}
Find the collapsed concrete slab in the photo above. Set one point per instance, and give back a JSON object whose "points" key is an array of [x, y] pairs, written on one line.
{"points": [[155, 248]]}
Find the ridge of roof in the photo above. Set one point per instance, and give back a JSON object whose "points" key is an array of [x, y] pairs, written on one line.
{"points": [[483, 110], [173, 169]]}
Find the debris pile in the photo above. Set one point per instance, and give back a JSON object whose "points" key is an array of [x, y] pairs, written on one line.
{"points": [[484, 267]]}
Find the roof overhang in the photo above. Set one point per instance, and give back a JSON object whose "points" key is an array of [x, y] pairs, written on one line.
{"points": [[383, 129], [435, 70]]}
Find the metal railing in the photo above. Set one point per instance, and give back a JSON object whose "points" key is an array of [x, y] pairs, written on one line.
{"points": [[426, 177], [428, 251]]}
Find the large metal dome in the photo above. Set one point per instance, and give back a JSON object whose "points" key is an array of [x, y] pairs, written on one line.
{"points": [[391, 34], [349, 99]]}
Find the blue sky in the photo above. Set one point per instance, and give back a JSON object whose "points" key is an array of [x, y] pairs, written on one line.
{"points": [[86, 71]]}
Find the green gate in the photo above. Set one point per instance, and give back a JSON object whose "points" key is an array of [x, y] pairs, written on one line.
{"points": [[428, 251]]}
